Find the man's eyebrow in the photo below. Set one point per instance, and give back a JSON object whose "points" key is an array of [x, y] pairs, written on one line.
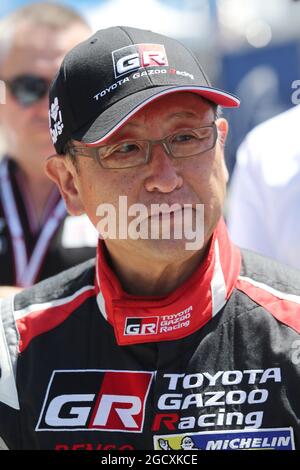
{"points": [[180, 114]]}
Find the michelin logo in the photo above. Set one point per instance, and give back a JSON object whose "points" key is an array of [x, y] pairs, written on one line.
{"points": [[242, 439]]}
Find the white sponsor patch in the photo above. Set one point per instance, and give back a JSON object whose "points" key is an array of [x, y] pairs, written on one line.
{"points": [[56, 124], [240, 439]]}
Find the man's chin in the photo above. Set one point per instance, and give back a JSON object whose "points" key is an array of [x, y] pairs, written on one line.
{"points": [[171, 249]]}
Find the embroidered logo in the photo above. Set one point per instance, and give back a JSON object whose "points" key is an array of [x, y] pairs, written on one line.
{"points": [[96, 400], [130, 58], [55, 120]]}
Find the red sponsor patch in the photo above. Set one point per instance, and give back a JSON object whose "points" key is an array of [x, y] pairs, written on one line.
{"points": [[95, 400]]}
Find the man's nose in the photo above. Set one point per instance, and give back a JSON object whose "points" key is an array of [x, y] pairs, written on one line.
{"points": [[162, 176]]}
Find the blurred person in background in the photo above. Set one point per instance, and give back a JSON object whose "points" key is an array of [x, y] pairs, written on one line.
{"points": [[37, 239], [263, 210]]}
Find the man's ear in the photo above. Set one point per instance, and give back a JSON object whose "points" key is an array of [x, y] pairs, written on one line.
{"points": [[59, 169], [222, 126]]}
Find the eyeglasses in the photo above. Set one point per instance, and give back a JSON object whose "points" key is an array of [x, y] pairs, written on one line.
{"points": [[28, 89], [128, 154]]}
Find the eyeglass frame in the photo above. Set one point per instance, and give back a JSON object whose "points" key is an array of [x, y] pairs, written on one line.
{"points": [[164, 142]]}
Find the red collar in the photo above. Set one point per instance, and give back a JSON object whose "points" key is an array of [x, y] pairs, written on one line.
{"points": [[150, 319]]}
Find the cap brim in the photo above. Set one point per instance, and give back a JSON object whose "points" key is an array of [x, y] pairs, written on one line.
{"points": [[119, 113]]}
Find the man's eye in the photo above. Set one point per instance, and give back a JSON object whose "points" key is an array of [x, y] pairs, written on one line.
{"points": [[126, 148], [186, 137]]}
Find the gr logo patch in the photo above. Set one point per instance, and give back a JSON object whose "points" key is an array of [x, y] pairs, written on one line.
{"points": [[95, 400], [130, 58], [141, 326]]}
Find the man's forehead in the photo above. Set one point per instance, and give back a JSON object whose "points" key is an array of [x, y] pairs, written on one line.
{"points": [[48, 40], [41, 48]]}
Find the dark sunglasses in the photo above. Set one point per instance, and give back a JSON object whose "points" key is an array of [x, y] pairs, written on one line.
{"points": [[28, 89]]}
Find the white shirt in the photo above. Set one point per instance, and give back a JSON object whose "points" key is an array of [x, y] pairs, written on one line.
{"points": [[264, 202]]}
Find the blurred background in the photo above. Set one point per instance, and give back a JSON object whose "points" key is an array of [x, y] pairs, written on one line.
{"points": [[251, 48]]}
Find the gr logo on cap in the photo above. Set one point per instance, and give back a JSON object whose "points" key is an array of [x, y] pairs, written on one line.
{"points": [[133, 57]]}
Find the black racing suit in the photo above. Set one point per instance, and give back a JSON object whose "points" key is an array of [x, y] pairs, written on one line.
{"points": [[214, 365]]}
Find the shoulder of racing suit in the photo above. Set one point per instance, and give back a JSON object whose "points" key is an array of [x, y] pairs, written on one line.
{"points": [[272, 286], [270, 272], [63, 292], [60, 286]]}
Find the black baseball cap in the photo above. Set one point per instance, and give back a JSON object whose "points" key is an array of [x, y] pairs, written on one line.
{"points": [[105, 80]]}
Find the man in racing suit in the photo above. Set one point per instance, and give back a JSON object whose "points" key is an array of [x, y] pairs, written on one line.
{"points": [[152, 345]]}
